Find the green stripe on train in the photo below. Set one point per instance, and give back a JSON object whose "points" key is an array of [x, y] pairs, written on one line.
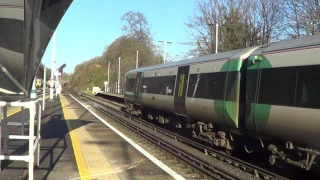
{"points": [[228, 110], [258, 114], [258, 120]]}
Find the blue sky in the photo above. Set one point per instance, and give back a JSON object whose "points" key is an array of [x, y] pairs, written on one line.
{"points": [[90, 25]]}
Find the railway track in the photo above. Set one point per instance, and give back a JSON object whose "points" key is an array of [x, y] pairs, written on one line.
{"points": [[208, 163]]}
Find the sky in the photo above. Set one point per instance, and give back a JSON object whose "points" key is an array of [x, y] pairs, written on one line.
{"points": [[90, 25]]}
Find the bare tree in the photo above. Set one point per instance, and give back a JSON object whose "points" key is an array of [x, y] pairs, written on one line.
{"points": [[302, 17], [242, 23], [136, 26], [201, 29]]}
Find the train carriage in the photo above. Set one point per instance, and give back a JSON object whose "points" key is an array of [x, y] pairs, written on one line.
{"points": [[213, 93], [283, 91], [269, 93]]}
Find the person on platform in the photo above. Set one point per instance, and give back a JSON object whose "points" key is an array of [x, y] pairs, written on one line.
{"points": [[58, 89]]}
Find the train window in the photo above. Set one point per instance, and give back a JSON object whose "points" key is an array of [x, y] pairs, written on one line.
{"points": [[215, 86], [277, 86], [308, 87], [149, 86], [166, 84], [136, 85], [130, 84], [158, 85], [196, 85], [143, 85]]}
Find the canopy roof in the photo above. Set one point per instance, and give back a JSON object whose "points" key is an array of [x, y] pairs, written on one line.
{"points": [[26, 27]]}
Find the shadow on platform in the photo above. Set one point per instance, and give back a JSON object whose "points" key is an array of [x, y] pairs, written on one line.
{"points": [[55, 143], [58, 108]]}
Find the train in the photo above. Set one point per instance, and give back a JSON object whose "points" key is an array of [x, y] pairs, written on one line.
{"points": [[265, 98], [39, 83]]}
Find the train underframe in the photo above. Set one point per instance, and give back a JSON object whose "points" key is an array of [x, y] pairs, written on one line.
{"points": [[278, 151]]}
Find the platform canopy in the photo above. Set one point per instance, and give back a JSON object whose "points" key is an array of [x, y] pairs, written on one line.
{"points": [[26, 27]]}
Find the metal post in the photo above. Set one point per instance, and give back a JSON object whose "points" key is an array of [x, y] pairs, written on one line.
{"points": [[164, 50], [5, 130], [137, 59], [57, 83], [33, 93], [119, 76], [116, 89], [52, 64], [217, 31], [44, 88], [108, 76], [38, 134], [22, 121], [31, 139], [1, 122]]}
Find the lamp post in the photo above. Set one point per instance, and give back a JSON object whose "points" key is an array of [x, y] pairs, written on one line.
{"points": [[137, 59], [119, 76], [52, 65], [217, 31], [216, 34], [44, 88], [108, 76], [164, 49]]}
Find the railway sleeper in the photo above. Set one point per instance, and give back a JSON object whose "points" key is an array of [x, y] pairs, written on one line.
{"points": [[306, 164]]}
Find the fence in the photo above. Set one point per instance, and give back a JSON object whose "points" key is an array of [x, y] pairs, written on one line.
{"points": [[114, 90], [34, 106]]}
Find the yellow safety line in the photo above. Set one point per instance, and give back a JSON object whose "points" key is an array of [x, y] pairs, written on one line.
{"points": [[82, 167]]}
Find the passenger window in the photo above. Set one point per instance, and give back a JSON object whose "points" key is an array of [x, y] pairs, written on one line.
{"points": [[196, 86], [130, 84], [163, 85], [277, 86], [308, 87], [215, 86]]}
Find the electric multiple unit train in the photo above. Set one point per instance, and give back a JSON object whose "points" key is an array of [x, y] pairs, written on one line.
{"points": [[259, 97]]}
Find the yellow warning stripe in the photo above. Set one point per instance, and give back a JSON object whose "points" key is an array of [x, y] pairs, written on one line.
{"points": [[82, 167]]}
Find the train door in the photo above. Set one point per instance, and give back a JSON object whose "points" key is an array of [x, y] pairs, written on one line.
{"points": [[180, 90], [253, 75], [137, 94]]}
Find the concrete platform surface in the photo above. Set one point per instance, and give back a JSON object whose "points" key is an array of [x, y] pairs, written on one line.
{"points": [[103, 154]]}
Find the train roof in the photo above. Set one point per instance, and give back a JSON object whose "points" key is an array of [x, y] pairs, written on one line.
{"points": [[210, 57], [290, 44], [276, 46]]}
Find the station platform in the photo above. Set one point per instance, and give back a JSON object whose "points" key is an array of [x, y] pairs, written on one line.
{"points": [[111, 96], [76, 144]]}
